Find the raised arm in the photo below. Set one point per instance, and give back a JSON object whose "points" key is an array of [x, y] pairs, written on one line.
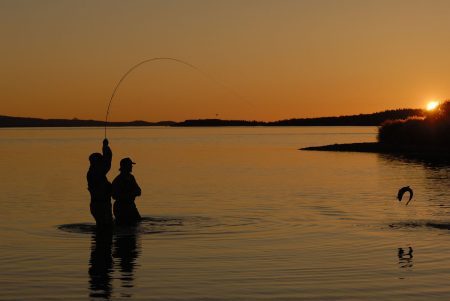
{"points": [[107, 156]]}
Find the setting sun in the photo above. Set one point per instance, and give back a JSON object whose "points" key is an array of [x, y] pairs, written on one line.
{"points": [[432, 105]]}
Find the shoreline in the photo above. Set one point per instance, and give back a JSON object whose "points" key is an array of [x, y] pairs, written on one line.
{"points": [[380, 148]]}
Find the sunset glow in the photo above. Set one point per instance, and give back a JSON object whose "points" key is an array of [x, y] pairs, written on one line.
{"points": [[432, 105], [291, 60]]}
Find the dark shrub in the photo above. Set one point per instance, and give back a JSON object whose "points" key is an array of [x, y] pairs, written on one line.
{"points": [[433, 130]]}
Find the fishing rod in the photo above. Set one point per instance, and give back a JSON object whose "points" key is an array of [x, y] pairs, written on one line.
{"points": [[206, 75]]}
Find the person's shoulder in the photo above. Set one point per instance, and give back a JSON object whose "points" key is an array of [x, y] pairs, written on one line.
{"points": [[117, 178]]}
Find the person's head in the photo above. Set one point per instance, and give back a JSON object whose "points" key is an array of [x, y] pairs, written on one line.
{"points": [[126, 165], [95, 158]]}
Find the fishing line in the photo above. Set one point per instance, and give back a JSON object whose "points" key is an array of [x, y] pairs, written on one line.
{"points": [[206, 75]]}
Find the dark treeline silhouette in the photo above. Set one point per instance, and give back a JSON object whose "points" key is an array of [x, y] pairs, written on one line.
{"points": [[431, 130], [219, 122], [374, 119], [9, 121]]}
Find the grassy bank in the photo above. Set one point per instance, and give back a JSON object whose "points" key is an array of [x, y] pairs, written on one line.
{"points": [[426, 135]]}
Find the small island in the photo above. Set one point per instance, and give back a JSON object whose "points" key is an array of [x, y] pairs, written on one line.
{"points": [[427, 135]]}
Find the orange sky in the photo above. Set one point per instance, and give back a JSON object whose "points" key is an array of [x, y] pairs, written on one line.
{"points": [[62, 59]]}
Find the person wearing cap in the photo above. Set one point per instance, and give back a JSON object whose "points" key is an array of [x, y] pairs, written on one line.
{"points": [[99, 187], [124, 191]]}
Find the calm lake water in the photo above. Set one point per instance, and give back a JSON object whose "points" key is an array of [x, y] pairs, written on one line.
{"points": [[230, 214]]}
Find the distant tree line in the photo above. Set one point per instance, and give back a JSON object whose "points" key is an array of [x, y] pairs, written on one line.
{"points": [[9, 121], [374, 119], [218, 122]]}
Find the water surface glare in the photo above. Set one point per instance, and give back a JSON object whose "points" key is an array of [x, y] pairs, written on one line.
{"points": [[233, 213]]}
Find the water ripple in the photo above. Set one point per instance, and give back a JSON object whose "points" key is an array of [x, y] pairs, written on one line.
{"points": [[192, 225]]}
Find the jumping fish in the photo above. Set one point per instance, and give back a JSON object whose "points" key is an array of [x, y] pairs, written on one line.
{"points": [[402, 191]]}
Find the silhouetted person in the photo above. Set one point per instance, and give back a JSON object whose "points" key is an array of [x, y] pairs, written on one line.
{"points": [[124, 191], [99, 186], [101, 265]]}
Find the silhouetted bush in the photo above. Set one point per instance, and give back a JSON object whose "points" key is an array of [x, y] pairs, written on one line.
{"points": [[431, 130]]}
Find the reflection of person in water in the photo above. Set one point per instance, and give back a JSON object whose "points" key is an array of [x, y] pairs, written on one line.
{"points": [[126, 250], [107, 258], [99, 186], [124, 191], [100, 265]]}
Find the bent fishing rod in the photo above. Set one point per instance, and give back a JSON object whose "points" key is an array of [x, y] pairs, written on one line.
{"points": [[206, 75]]}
